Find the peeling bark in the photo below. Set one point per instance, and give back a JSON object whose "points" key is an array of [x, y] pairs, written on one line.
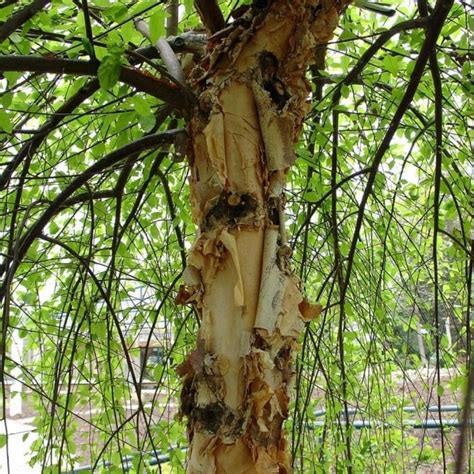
{"points": [[252, 100]]}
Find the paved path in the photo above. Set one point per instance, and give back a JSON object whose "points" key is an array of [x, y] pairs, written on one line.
{"points": [[17, 448]]}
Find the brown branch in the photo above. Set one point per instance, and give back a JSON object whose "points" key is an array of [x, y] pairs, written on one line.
{"points": [[87, 23], [378, 44], [88, 196], [438, 113], [18, 19], [32, 145], [165, 91], [24, 243], [436, 22], [210, 14], [173, 18]]}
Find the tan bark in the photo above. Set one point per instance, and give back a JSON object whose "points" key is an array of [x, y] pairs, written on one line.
{"points": [[252, 99]]}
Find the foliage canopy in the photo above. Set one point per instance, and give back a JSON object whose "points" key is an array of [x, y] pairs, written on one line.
{"points": [[96, 220]]}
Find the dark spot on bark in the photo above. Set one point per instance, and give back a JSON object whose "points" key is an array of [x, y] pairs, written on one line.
{"points": [[217, 417], [277, 91], [247, 205], [261, 4], [315, 10], [183, 295], [188, 393], [210, 416], [282, 359], [260, 343], [231, 210], [268, 65], [273, 210]]}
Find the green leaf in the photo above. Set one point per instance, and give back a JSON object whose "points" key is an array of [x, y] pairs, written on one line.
{"points": [[12, 77], [157, 26], [147, 122], [3, 440], [5, 122], [142, 107], [87, 46], [311, 196], [109, 69]]}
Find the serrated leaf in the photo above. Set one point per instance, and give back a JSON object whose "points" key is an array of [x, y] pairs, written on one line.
{"points": [[109, 69]]}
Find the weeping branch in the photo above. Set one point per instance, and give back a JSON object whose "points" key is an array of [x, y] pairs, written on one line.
{"points": [[32, 145], [24, 243], [87, 23], [436, 22]]}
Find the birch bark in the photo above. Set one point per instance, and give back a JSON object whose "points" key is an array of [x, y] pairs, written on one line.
{"points": [[252, 100]]}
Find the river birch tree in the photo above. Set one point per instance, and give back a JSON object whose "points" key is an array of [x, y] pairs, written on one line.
{"points": [[231, 98]]}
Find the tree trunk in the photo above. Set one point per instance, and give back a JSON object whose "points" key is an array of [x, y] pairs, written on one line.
{"points": [[252, 99]]}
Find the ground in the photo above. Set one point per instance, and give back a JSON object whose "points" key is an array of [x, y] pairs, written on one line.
{"points": [[415, 387]]}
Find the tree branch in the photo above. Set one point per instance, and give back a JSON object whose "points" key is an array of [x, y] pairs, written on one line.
{"points": [[166, 52], [210, 14], [32, 145], [173, 18], [160, 89], [87, 23], [378, 43], [20, 18], [436, 22], [24, 243]]}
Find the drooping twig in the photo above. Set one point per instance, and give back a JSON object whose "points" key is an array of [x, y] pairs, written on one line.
{"points": [[32, 145], [142, 144], [87, 23], [436, 22]]}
